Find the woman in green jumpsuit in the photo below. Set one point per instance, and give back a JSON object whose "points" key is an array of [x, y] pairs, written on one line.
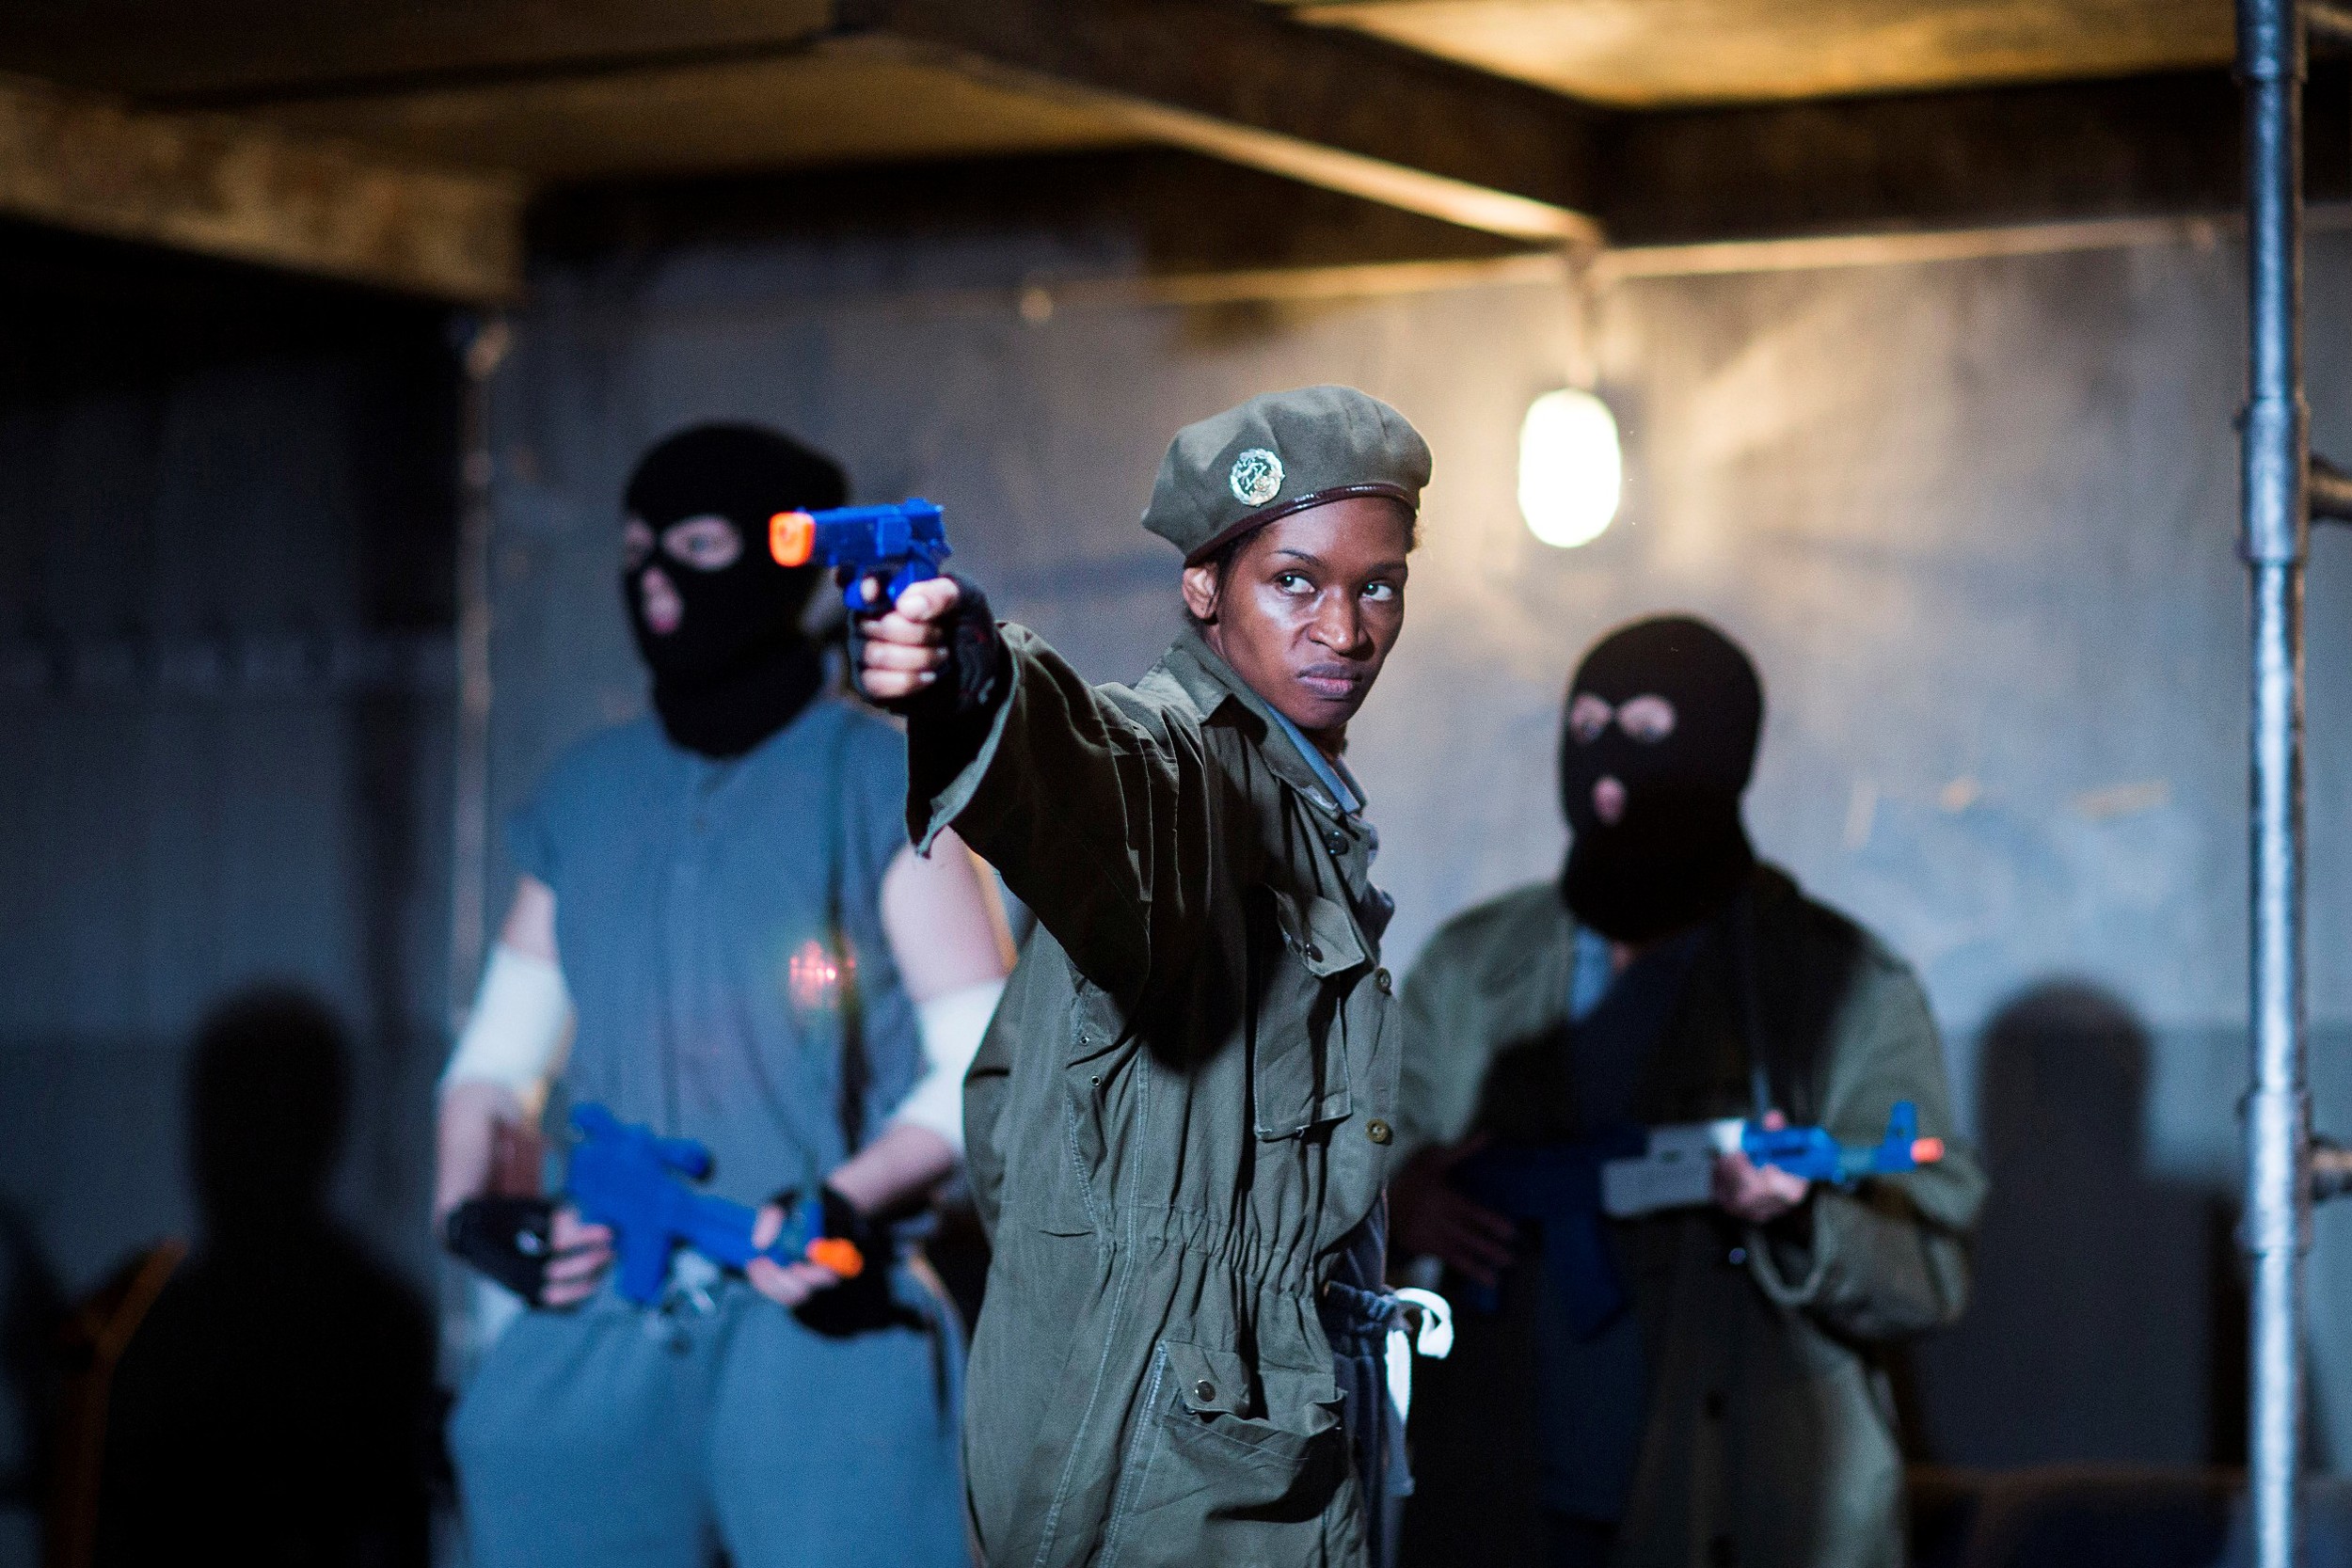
{"points": [[1178, 1126]]}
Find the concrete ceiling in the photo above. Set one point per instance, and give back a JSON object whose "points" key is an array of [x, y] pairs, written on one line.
{"points": [[553, 90], [586, 88], [1656, 53], [1539, 121]]}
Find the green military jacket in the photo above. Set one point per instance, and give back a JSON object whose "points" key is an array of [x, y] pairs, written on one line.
{"points": [[1771, 1436], [1179, 1114]]}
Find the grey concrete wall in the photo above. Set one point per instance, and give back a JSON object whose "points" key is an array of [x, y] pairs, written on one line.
{"points": [[225, 526], [1974, 519]]}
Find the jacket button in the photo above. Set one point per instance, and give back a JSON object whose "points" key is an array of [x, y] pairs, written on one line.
{"points": [[1204, 1390], [1380, 978], [1377, 1131], [1337, 840], [1314, 954]]}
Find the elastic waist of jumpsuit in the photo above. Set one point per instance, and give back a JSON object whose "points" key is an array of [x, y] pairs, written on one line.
{"points": [[1284, 1266]]}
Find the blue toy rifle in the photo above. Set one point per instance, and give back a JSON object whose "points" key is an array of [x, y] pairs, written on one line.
{"points": [[892, 547], [1812, 1154], [1677, 1168], [1556, 1188], [1564, 1188], [625, 1177]]}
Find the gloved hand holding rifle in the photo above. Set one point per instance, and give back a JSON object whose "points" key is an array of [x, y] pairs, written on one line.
{"points": [[626, 1197], [1756, 1170], [628, 1179]]}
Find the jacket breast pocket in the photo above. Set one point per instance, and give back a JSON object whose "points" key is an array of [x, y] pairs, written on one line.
{"points": [[1225, 1466], [1306, 957]]}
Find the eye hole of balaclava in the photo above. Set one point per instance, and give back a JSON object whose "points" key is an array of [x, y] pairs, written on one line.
{"points": [[704, 600], [1658, 741]]}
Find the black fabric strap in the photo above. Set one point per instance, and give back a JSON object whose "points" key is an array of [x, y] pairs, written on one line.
{"points": [[855, 1071], [509, 1240]]}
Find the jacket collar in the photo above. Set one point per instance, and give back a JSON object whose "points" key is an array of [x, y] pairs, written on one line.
{"points": [[1210, 683]]}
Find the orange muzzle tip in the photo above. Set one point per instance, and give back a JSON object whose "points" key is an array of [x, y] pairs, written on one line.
{"points": [[832, 1251], [1926, 1152], [791, 538]]}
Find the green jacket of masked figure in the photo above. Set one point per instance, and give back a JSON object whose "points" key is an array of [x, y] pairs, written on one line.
{"points": [[1179, 1115], [1771, 1435], [1729, 1405]]}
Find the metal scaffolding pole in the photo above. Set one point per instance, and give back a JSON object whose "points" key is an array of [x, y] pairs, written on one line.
{"points": [[2277, 524]]}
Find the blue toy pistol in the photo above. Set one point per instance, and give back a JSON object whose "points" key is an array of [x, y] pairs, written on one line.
{"points": [[625, 1177], [892, 548]]}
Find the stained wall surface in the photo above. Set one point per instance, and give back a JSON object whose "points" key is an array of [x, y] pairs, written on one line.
{"points": [[1974, 520]]}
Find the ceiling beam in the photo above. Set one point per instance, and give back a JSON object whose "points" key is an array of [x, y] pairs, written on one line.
{"points": [[1242, 83], [1237, 81], [229, 188], [1150, 199], [2144, 146]]}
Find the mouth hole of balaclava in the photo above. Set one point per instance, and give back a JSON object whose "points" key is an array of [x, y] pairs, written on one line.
{"points": [[1677, 850], [735, 666]]}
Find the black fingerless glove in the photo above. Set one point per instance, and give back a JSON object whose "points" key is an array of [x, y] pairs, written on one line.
{"points": [[864, 1303], [838, 1219], [507, 1239], [843, 1221], [972, 682]]}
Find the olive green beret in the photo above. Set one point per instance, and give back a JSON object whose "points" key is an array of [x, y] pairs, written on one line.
{"points": [[1277, 453]]}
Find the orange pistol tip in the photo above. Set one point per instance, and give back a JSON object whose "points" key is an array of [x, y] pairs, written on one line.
{"points": [[841, 1257], [1926, 1152], [791, 538]]}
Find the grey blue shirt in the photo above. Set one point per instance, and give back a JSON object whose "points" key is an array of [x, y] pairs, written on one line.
{"points": [[711, 916]]}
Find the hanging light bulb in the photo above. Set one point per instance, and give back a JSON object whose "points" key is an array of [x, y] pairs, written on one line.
{"points": [[1570, 467]]}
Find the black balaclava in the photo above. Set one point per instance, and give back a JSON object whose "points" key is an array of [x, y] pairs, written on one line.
{"points": [[738, 667], [1677, 852]]}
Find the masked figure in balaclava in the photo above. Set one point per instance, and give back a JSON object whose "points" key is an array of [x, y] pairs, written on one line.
{"points": [[701, 942], [716, 619], [1700, 1383], [1659, 740]]}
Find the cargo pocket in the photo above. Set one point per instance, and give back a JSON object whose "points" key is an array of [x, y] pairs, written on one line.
{"points": [[1225, 1466], [1307, 958]]}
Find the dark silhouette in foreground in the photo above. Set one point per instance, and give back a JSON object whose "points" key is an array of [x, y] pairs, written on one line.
{"points": [[275, 1405], [31, 1306]]}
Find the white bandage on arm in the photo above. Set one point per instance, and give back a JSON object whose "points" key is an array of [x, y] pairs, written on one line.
{"points": [[519, 1031], [952, 1026]]}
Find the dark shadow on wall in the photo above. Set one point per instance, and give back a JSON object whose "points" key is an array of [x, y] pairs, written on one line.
{"points": [[275, 1403], [2108, 1319]]}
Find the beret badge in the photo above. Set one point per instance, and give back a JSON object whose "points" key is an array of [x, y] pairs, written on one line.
{"points": [[1257, 477]]}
